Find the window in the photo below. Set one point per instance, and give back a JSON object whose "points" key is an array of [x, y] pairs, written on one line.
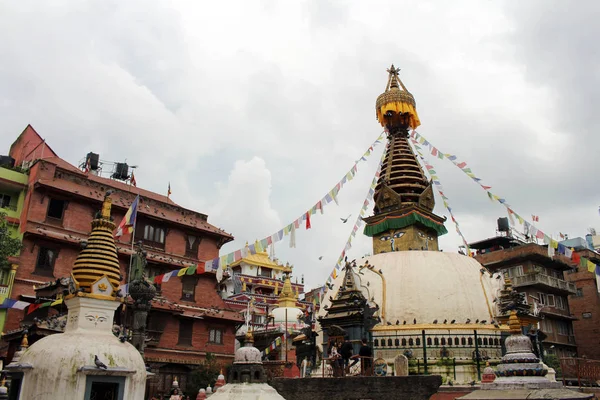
{"points": [[563, 328], [265, 272], [546, 326], [543, 299], [186, 329], [586, 315], [45, 261], [215, 336], [561, 303], [258, 319], [514, 271], [56, 209], [551, 302], [191, 246], [579, 292], [188, 288], [154, 270], [151, 233], [4, 200]]}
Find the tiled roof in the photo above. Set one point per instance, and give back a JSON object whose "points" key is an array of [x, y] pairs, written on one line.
{"points": [[159, 207]]}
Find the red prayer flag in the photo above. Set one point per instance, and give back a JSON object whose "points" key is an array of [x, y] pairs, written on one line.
{"points": [[308, 220], [576, 258], [461, 165], [269, 240], [201, 268], [486, 187], [32, 308], [158, 279]]}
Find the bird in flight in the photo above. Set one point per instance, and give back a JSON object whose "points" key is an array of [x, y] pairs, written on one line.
{"points": [[344, 220], [320, 257]]}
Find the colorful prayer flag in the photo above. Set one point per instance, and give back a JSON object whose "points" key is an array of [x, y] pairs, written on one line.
{"points": [[128, 221]]}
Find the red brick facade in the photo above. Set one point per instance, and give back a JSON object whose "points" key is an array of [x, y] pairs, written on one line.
{"points": [[51, 245], [585, 306], [542, 279]]}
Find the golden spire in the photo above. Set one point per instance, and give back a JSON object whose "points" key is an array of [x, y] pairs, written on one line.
{"points": [[286, 297], [396, 107], [513, 323], [99, 257]]}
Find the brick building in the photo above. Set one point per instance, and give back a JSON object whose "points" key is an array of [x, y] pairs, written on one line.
{"points": [[541, 278], [585, 303], [188, 319]]}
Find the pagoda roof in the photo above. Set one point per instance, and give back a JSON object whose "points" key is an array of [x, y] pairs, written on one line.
{"points": [[260, 259]]}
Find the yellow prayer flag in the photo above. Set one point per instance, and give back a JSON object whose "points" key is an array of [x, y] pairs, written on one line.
{"points": [[554, 244], [591, 266], [57, 302], [182, 271], [334, 273]]}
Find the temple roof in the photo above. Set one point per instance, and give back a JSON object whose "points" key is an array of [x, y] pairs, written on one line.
{"points": [[260, 259]]}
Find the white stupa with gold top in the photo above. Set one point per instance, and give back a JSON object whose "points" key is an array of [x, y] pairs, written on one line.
{"points": [[87, 360]]}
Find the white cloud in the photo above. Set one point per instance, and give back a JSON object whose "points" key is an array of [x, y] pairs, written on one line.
{"points": [[185, 88]]}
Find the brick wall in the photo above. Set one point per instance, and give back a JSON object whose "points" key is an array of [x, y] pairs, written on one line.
{"points": [[587, 330]]}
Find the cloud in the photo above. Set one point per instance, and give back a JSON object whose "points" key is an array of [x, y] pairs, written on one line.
{"points": [[207, 95], [244, 205]]}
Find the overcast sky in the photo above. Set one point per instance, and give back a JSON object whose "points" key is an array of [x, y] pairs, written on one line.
{"points": [[253, 110]]}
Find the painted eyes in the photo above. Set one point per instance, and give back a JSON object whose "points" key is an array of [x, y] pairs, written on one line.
{"points": [[396, 235], [421, 234]]}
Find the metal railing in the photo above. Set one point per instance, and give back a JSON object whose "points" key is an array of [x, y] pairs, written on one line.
{"points": [[3, 290], [531, 279], [586, 371], [357, 366], [427, 349]]}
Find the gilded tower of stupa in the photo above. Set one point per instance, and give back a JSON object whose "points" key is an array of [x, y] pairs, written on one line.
{"points": [[403, 217], [99, 256]]}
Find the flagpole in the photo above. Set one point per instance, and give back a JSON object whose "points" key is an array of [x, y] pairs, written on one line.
{"points": [[132, 244]]}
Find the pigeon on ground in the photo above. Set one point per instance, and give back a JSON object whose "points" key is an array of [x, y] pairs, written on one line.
{"points": [[453, 321], [435, 321], [99, 363]]}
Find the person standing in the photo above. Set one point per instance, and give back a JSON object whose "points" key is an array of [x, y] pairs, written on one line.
{"points": [[346, 353], [366, 357]]}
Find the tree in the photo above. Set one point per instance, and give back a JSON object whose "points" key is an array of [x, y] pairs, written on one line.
{"points": [[9, 246], [206, 374]]}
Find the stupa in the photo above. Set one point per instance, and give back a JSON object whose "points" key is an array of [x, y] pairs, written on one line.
{"points": [[247, 378], [425, 297], [521, 374], [87, 360]]}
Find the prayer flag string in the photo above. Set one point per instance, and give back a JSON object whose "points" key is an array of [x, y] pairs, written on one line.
{"points": [[553, 245]]}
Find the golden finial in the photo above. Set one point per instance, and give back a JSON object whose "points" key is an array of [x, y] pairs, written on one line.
{"points": [[24, 342], [513, 323], [249, 337], [106, 205]]}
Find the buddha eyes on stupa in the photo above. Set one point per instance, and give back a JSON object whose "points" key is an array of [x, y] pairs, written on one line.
{"points": [[398, 235]]}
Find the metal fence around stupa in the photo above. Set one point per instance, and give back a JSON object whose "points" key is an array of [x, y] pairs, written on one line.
{"points": [[426, 349]]}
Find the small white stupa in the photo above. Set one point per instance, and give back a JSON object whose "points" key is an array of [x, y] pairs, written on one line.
{"points": [[247, 378], [87, 360]]}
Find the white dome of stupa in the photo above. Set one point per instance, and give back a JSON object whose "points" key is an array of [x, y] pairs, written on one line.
{"points": [[426, 286]]}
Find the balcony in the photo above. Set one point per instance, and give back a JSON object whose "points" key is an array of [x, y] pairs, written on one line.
{"points": [[3, 290], [544, 280]]}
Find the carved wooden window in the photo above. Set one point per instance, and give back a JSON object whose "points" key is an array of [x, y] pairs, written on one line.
{"points": [[188, 288], [45, 261], [191, 246], [186, 330], [215, 336]]}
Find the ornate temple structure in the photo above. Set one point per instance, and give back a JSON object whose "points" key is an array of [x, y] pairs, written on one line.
{"points": [[348, 315], [403, 217], [87, 360], [434, 307]]}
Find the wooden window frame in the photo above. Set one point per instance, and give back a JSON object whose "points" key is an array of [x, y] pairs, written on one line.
{"points": [[192, 251], [141, 233], [212, 335], [186, 296], [184, 340], [62, 214], [46, 270]]}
